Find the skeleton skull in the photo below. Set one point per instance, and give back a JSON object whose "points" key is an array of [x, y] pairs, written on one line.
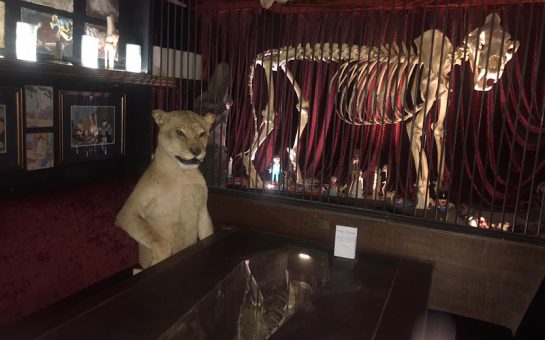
{"points": [[489, 48]]}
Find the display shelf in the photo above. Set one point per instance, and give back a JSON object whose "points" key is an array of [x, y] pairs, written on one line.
{"points": [[18, 67]]}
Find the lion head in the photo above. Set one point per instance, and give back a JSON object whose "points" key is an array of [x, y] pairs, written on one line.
{"points": [[183, 136], [489, 48]]}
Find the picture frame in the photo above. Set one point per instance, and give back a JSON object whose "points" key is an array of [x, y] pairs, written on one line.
{"points": [[50, 25], [11, 128], [91, 126], [40, 152], [38, 106], [63, 5]]}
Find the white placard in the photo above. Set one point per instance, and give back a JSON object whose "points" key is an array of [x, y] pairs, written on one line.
{"points": [[345, 241], [25, 41], [133, 60], [89, 51]]}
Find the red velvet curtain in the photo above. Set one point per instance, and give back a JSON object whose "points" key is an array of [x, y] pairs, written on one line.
{"points": [[493, 144]]}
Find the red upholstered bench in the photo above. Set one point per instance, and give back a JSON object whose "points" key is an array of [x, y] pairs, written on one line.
{"points": [[55, 244]]}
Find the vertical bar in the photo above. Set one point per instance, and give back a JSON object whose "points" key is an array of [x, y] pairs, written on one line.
{"points": [[526, 137], [438, 105], [516, 126], [534, 168], [496, 91], [472, 177], [458, 105], [415, 114], [168, 102], [466, 135], [403, 123], [394, 97]]}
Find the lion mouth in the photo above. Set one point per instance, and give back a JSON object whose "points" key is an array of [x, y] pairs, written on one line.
{"points": [[192, 161]]}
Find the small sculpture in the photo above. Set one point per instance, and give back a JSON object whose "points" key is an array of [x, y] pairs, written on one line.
{"points": [[230, 170], [64, 34], [333, 186], [355, 174], [442, 201], [275, 171], [110, 43], [383, 180]]}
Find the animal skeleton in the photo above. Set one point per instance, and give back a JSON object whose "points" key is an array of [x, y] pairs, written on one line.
{"points": [[487, 49]]}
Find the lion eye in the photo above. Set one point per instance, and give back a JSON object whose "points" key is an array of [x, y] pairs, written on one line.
{"points": [[202, 134], [180, 133], [481, 46]]}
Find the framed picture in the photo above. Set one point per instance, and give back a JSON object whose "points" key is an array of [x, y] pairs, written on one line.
{"points": [[39, 150], [11, 128], [2, 22], [92, 125], [51, 26], [63, 5], [38, 106], [102, 8]]}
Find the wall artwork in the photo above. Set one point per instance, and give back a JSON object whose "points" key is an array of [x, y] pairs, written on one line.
{"points": [[38, 106], [103, 8], [2, 22], [39, 150], [98, 32], [63, 5], [3, 141], [11, 129], [92, 125], [52, 28]]}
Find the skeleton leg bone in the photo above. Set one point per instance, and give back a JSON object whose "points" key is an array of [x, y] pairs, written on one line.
{"points": [[303, 108], [414, 130], [439, 134], [267, 125]]}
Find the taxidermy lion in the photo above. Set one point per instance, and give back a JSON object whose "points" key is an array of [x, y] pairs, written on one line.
{"points": [[166, 212]]}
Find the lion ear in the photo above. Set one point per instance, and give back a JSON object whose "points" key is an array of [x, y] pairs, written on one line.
{"points": [[209, 119], [160, 117], [493, 17]]}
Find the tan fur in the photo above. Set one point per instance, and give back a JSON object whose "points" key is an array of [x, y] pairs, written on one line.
{"points": [[167, 212]]}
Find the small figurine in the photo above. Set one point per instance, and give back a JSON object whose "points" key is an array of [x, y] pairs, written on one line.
{"points": [[290, 178], [105, 132], [110, 43], [333, 186], [64, 33], [442, 201], [230, 170], [355, 175], [276, 170], [383, 180]]}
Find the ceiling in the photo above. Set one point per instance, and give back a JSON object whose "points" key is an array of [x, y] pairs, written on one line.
{"points": [[295, 6]]}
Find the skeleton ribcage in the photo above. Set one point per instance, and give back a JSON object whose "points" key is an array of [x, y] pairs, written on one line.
{"points": [[378, 90], [374, 85]]}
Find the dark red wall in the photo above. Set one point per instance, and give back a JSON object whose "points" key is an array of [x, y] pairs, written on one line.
{"points": [[55, 244]]}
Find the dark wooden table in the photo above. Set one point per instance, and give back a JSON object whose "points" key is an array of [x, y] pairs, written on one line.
{"points": [[373, 297]]}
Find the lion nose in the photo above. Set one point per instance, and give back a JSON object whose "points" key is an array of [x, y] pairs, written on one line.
{"points": [[493, 62], [195, 151]]}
